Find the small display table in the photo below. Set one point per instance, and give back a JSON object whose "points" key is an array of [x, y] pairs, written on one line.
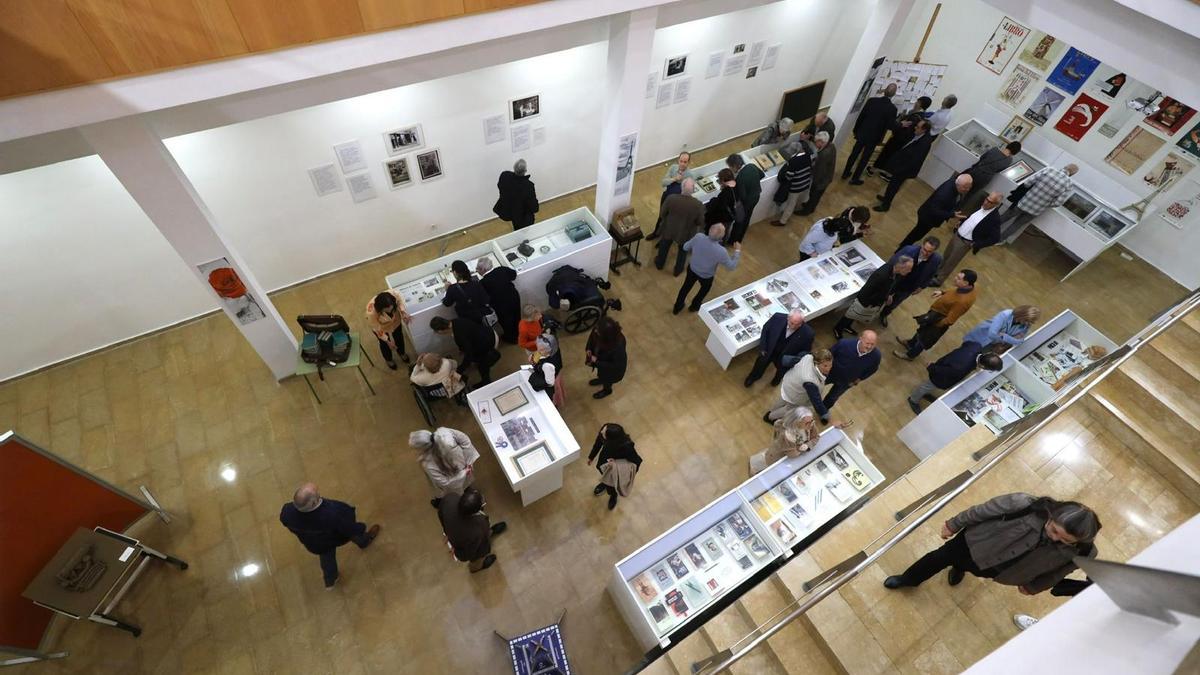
{"points": [[529, 438], [304, 368], [815, 286]]}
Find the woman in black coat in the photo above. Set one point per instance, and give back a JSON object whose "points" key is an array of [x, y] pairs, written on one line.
{"points": [[466, 295], [498, 283], [720, 209], [612, 443], [606, 353], [518, 200]]}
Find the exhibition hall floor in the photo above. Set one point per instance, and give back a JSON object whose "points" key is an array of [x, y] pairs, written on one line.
{"points": [[172, 410]]}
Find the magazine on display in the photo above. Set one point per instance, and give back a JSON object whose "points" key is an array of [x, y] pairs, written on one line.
{"points": [[1060, 356], [808, 498], [996, 405]]}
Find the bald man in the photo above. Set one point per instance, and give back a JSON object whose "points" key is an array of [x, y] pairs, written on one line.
{"points": [[854, 360], [323, 525], [939, 207]]}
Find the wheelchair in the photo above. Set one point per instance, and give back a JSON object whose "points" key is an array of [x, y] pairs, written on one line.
{"points": [[586, 303], [427, 396]]}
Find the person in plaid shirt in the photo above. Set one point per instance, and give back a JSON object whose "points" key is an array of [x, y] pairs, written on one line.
{"points": [[1048, 188]]}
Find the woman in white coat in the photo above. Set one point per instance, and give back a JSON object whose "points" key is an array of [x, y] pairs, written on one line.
{"points": [[447, 457]]}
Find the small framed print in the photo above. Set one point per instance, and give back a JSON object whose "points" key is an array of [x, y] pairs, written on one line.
{"points": [[397, 173], [430, 164], [523, 108], [1016, 129], [533, 458], [513, 399], [404, 139], [675, 66], [485, 411], [1018, 171]]}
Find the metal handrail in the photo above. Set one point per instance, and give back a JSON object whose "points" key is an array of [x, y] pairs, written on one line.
{"points": [[1009, 440]]}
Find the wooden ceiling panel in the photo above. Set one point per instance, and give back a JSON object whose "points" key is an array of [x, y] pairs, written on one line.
{"points": [[385, 14], [43, 46], [272, 24]]}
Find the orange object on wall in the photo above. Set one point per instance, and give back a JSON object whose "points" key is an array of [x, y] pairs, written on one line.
{"points": [[43, 500]]}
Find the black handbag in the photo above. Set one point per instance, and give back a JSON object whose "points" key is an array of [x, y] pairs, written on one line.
{"points": [[1015, 195]]}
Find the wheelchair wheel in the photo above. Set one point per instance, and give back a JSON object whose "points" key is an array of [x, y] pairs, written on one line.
{"points": [[423, 405], [582, 319]]}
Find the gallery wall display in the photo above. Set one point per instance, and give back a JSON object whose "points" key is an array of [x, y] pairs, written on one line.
{"points": [[1191, 141], [361, 187], [1044, 105], [626, 155], [397, 172], [524, 108], [1134, 150], [350, 156], [325, 179], [1013, 89], [429, 164], [1002, 45], [1171, 116], [404, 139], [1183, 202], [1167, 171], [715, 61], [1016, 129], [1041, 50], [493, 129], [1080, 117], [771, 57], [675, 66], [225, 281], [1072, 71]]}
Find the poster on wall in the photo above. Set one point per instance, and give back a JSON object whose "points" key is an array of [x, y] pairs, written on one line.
{"points": [[539, 136], [675, 66], [683, 88], [361, 187], [1107, 83], [1133, 150], [1044, 106], [1005, 42], [522, 140], [715, 60], [350, 156], [1182, 203], [1041, 50], [665, 91], [1167, 171], [524, 108], [756, 53], [397, 173], [493, 129], [325, 179], [1074, 69], [1191, 141], [626, 153], [1120, 113], [1171, 116], [771, 57], [751, 72], [400, 141], [1014, 88], [229, 287], [1016, 129], [1081, 116], [734, 64]]}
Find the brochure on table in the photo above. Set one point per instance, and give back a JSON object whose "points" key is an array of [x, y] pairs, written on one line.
{"points": [[815, 286], [529, 438], [1083, 227], [668, 583], [1031, 370], [575, 238]]}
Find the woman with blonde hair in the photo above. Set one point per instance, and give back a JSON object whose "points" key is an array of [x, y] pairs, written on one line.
{"points": [[1008, 327], [434, 369], [447, 456]]}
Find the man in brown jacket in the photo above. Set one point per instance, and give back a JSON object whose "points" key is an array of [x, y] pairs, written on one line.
{"points": [[468, 529], [682, 217], [1015, 539], [945, 310]]}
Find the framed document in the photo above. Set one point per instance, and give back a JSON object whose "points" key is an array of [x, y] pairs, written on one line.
{"points": [[536, 457], [511, 400]]}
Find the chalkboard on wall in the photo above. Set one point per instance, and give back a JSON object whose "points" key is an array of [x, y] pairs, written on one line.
{"points": [[803, 103]]}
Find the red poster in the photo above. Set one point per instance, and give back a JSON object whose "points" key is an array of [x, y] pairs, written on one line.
{"points": [[1080, 117]]}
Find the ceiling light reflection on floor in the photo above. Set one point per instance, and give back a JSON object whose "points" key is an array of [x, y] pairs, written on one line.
{"points": [[228, 474], [249, 570]]}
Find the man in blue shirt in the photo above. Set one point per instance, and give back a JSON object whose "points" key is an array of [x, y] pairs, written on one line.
{"points": [[323, 525], [707, 254], [1008, 327], [854, 360]]}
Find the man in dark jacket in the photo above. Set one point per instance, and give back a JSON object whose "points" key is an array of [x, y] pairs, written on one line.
{"points": [[876, 292], [820, 122], [476, 341], [990, 163], [952, 369], [785, 337], [876, 117], [926, 263], [323, 525], [794, 181], [468, 529], [823, 169], [940, 206], [906, 163], [979, 228], [518, 200], [748, 190], [682, 216], [854, 360], [506, 301]]}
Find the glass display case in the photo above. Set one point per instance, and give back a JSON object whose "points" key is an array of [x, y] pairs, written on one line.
{"points": [[997, 404], [1065, 354], [974, 137], [1079, 207], [1107, 224]]}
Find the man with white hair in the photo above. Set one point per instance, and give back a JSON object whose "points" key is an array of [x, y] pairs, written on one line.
{"points": [[940, 119], [775, 132], [785, 338], [681, 216], [323, 525], [823, 169], [707, 254], [1048, 188], [939, 207], [518, 200]]}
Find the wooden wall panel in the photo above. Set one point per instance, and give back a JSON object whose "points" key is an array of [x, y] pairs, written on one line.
{"points": [[142, 35], [272, 24], [42, 46], [385, 14], [475, 6]]}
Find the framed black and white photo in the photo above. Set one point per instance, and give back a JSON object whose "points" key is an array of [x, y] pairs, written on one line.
{"points": [[524, 108], [429, 164], [397, 172], [400, 141], [675, 66]]}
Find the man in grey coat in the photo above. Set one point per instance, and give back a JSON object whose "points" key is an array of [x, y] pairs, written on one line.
{"points": [[823, 168], [682, 216]]}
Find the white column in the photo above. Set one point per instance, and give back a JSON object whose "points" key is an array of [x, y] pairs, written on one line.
{"points": [[630, 42], [885, 24], [137, 157]]}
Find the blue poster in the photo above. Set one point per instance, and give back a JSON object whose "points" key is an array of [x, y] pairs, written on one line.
{"points": [[1074, 69]]}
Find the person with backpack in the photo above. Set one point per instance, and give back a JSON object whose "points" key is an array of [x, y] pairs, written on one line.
{"points": [[1015, 539], [467, 296], [386, 317]]}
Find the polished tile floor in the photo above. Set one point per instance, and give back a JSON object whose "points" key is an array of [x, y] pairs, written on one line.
{"points": [[173, 410]]}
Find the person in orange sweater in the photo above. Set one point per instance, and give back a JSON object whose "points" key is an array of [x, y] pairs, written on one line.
{"points": [[529, 328], [386, 315], [946, 309]]}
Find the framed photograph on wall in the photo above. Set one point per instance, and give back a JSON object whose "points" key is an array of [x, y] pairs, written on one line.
{"points": [[675, 66], [1003, 44], [429, 164], [400, 141], [524, 108], [397, 173]]}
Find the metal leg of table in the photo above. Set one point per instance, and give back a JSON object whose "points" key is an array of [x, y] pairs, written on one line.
{"points": [[637, 250], [310, 388], [116, 623], [366, 355], [364, 377], [165, 557]]}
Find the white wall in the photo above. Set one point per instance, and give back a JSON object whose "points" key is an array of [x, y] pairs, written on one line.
{"points": [[83, 266], [962, 28]]}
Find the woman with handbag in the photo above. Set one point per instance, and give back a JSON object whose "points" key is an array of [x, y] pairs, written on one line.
{"points": [[606, 353], [945, 310], [468, 297], [547, 369], [612, 446], [386, 317]]}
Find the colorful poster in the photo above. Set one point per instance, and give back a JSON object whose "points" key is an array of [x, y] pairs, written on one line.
{"points": [[1080, 117], [1120, 113], [1041, 50], [1005, 42], [229, 287], [1133, 150], [1191, 141], [1106, 82], [1171, 116], [1074, 69], [1014, 88], [1167, 171], [1183, 202], [1044, 106]]}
